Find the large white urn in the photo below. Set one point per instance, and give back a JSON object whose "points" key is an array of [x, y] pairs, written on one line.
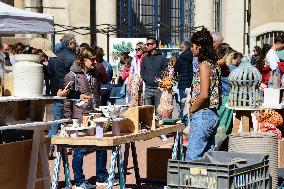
{"points": [[27, 76]]}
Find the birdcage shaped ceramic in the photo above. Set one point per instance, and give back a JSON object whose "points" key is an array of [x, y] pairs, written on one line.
{"points": [[245, 81]]}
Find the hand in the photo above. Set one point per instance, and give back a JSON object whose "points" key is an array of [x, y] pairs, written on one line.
{"points": [[85, 97], [63, 93], [221, 62]]}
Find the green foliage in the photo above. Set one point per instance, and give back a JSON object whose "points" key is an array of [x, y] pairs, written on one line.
{"points": [[123, 47]]}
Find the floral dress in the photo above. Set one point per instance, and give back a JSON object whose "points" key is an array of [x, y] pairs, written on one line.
{"points": [[214, 90]]}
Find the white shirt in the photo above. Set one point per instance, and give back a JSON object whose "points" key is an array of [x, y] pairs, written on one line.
{"points": [[272, 59]]}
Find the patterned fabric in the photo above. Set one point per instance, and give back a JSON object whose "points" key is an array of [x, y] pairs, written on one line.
{"points": [[214, 90], [267, 127]]}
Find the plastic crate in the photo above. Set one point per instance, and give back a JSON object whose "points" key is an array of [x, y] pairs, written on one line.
{"points": [[220, 170]]}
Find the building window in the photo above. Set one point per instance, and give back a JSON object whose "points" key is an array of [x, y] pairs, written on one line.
{"points": [[267, 38]]}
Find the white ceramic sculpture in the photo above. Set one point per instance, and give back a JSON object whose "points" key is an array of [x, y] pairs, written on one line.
{"points": [[27, 76], [113, 111]]}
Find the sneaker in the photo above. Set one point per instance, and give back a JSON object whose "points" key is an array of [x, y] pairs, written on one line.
{"points": [[85, 185], [105, 183], [164, 138]]}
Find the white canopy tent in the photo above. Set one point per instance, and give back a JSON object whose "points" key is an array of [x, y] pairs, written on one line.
{"points": [[14, 20]]}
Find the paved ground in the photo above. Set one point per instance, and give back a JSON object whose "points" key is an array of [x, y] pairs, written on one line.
{"points": [[90, 165]]}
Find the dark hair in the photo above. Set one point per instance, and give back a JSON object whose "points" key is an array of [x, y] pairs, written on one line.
{"points": [[125, 55], [258, 50], [18, 48], [85, 45], [153, 39], [279, 39], [204, 39], [99, 54], [261, 61], [88, 53]]}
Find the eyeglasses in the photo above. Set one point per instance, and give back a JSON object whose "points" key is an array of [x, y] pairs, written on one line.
{"points": [[148, 44], [139, 49], [253, 50]]}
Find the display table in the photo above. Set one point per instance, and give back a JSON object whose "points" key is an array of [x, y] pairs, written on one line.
{"points": [[243, 117], [113, 142], [38, 123]]}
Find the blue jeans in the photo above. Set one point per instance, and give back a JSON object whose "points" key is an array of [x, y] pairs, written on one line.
{"points": [[101, 161], [182, 95], [57, 113], [77, 165], [203, 128]]}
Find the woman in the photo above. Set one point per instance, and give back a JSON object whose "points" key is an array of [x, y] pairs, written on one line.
{"points": [[263, 66], [205, 96], [134, 79], [84, 75], [231, 60], [256, 55], [124, 59], [184, 70]]}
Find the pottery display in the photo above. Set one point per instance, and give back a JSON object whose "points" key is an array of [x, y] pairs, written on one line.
{"points": [[27, 76]]}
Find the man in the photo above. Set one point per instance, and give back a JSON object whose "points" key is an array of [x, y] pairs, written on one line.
{"points": [[184, 70], [57, 69], [152, 66], [217, 41], [273, 59], [6, 50]]}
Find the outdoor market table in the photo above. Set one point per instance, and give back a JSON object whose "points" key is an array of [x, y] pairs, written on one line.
{"points": [[38, 124], [113, 142]]}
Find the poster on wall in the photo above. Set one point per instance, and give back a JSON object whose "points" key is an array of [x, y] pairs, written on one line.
{"points": [[119, 45]]}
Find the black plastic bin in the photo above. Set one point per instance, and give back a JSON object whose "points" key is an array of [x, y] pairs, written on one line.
{"points": [[220, 170]]}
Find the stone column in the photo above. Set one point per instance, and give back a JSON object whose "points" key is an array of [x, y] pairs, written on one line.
{"points": [[204, 13], [106, 13]]}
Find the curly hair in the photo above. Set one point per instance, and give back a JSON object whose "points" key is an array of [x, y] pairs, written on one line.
{"points": [[87, 53], [204, 39]]}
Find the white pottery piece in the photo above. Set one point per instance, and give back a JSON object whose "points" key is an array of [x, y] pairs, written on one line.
{"points": [[27, 76], [75, 123], [73, 133], [99, 129]]}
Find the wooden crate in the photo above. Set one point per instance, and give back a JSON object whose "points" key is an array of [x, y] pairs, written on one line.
{"points": [[14, 166], [136, 115], [157, 170]]}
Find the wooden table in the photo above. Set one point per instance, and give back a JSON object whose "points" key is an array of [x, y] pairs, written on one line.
{"points": [[114, 142], [38, 124]]}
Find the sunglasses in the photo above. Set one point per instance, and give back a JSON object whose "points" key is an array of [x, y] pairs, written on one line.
{"points": [[253, 50], [139, 49], [148, 44]]}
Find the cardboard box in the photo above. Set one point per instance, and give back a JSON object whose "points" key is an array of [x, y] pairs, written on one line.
{"points": [[157, 161]]}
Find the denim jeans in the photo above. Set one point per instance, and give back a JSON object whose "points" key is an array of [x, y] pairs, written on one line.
{"points": [[203, 128], [77, 165], [101, 161], [152, 96], [57, 113], [182, 95]]}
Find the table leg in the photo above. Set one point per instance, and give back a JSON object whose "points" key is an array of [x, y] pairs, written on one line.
{"points": [[66, 167], [44, 161], [180, 146], [112, 168], [135, 164], [120, 168], [237, 122], [125, 162], [247, 121], [56, 169], [34, 159], [175, 147]]}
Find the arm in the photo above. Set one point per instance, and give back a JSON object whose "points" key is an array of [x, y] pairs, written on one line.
{"points": [[143, 68], [205, 72], [68, 104]]}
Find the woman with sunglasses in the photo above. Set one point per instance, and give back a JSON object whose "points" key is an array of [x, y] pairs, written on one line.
{"points": [[135, 80], [205, 96], [84, 76]]}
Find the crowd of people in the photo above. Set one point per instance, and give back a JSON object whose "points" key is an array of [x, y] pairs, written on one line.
{"points": [[81, 74]]}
